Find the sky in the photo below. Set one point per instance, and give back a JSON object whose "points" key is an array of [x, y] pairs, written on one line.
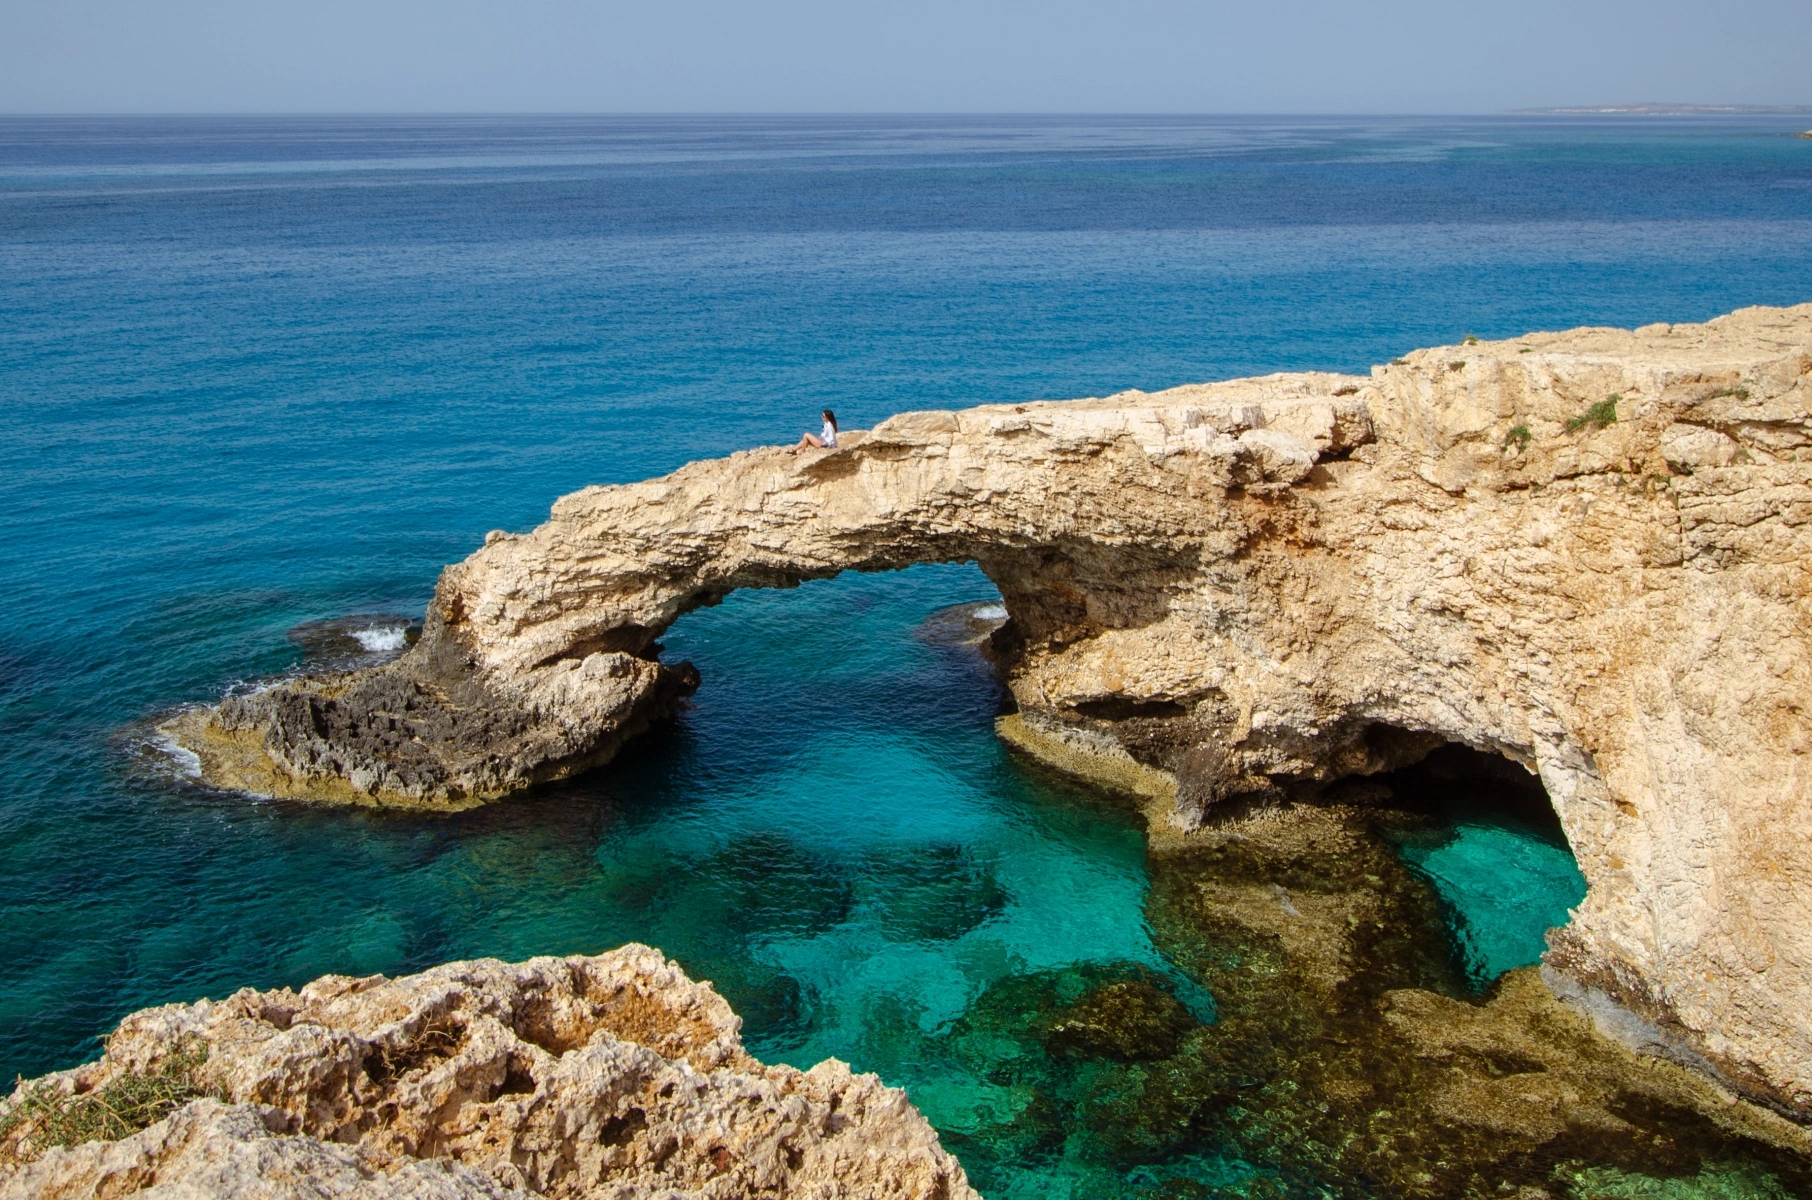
{"points": [[1281, 56]]}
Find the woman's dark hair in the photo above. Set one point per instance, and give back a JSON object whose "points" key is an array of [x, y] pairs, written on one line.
{"points": [[831, 417]]}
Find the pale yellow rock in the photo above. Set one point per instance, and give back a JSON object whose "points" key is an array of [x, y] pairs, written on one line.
{"points": [[612, 1076], [1261, 584]]}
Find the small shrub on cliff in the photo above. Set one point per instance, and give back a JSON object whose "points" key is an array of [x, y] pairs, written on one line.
{"points": [[1471, 339], [1518, 438], [1740, 393], [1457, 365], [1598, 416], [45, 1116]]}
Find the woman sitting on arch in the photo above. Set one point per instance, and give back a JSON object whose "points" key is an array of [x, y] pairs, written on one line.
{"points": [[825, 440]]}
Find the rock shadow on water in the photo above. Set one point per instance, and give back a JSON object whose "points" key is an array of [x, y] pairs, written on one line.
{"points": [[1492, 848]]}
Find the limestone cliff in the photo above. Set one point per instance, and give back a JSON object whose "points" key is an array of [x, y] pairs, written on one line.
{"points": [[1590, 552], [614, 1076]]}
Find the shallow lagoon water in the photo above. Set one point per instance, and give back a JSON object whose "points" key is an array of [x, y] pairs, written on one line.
{"points": [[261, 373]]}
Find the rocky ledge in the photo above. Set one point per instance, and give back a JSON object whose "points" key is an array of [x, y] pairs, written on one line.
{"points": [[1589, 552], [614, 1076]]}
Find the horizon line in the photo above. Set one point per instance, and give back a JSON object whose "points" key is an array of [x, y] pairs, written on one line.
{"points": [[1649, 108]]}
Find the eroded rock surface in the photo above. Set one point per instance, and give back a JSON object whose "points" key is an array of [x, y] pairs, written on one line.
{"points": [[610, 1076], [1589, 551]]}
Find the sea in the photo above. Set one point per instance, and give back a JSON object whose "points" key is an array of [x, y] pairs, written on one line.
{"points": [[262, 377]]}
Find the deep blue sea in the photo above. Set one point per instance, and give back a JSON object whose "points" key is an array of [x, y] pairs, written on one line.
{"points": [[261, 372]]}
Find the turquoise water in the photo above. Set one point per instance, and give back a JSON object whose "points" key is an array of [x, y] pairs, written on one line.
{"points": [[1495, 855], [1505, 888], [261, 372]]}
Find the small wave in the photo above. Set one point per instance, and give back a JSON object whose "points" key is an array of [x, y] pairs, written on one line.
{"points": [[347, 643], [382, 641], [186, 761], [962, 624]]}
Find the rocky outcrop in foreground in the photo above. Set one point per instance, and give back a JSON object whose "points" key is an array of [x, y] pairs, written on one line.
{"points": [[1590, 552], [614, 1076]]}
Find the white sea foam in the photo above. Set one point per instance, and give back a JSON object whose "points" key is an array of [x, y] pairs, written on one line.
{"points": [[991, 612], [382, 640], [186, 762]]}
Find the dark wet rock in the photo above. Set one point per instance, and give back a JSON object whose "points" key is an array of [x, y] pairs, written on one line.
{"points": [[1107, 1063], [968, 624], [421, 733], [1350, 1058]]}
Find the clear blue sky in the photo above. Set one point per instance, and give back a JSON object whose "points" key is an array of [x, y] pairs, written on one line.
{"points": [[900, 56]]}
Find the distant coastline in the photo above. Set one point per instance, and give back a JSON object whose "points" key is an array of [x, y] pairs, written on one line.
{"points": [[1669, 110]]}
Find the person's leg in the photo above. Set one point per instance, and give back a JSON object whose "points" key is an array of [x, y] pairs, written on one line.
{"points": [[806, 441]]}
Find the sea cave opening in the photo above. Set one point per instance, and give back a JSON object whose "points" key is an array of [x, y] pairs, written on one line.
{"points": [[1491, 847]]}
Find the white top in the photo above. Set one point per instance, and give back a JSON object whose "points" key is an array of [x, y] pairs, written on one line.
{"points": [[829, 436]]}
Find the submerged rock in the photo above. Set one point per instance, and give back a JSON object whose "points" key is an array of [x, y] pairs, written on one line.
{"points": [[1348, 1055], [608, 1076], [1590, 552], [1351, 1049], [1128, 1019]]}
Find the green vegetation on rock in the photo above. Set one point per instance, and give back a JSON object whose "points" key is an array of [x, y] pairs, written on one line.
{"points": [[46, 1116], [1599, 416]]}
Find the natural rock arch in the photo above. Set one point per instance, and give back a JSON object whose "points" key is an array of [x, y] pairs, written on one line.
{"points": [[1590, 552]]}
